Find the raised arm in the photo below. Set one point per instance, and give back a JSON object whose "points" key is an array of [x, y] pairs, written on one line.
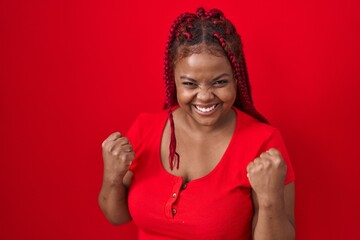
{"points": [[273, 201], [117, 156]]}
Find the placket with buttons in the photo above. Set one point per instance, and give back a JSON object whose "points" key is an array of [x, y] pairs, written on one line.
{"points": [[170, 208]]}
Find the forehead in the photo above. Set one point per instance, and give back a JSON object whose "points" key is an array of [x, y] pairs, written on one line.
{"points": [[203, 63]]}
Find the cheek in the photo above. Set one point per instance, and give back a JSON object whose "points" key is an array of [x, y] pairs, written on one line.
{"points": [[183, 95], [228, 94]]}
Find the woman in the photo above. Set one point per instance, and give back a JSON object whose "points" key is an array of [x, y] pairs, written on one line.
{"points": [[210, 167]]}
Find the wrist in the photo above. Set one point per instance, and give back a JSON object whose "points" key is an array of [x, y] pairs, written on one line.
{"points": [[272, 201], [113, 180]]}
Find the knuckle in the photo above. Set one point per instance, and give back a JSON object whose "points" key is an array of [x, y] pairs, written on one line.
{"points": [[266, 163], [261, 166], [257, 160], [123, 157], [115, 134], [115, 153], [249, 166], [129, 149], [277, 160], [125, 140], [263, 155], [108, 148], [274, 151], [251, 170]]}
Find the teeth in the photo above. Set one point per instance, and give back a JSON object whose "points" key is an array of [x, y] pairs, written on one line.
{"points": [[205, 110]]}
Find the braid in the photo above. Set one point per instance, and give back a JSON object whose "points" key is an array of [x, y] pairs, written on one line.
{"points": [[175, 34], [188, 34], [240, 74]]}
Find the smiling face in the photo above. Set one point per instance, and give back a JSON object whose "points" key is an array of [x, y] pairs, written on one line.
{"points": [[205, 88]]}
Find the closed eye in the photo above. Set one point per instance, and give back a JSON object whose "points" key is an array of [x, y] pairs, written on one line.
{"points": [[220, 83], [189, 84]]}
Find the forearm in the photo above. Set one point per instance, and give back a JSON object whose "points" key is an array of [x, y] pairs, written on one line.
{"points": [[113, 202], [273, 222]]}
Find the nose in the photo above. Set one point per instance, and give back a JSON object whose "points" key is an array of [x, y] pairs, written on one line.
{"points": [[205, 94]]}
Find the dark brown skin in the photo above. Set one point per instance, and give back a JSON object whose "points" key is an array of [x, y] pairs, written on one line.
{"points": [[273, 202], [205, 122], [117, 156]]}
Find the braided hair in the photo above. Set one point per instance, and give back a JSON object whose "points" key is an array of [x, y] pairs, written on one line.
{"points": [[187, 34]]}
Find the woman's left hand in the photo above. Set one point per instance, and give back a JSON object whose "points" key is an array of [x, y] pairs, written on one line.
{"points": [[267, 175]]}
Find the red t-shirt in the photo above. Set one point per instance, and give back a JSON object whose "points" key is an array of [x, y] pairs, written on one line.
{"points": [[217, 206]]}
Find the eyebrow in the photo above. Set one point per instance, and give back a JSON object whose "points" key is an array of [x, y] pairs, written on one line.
{"points": [[193, 80]]}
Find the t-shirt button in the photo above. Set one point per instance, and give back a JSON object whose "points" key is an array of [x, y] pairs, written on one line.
{"points": [[174, 195], [173, 211]]}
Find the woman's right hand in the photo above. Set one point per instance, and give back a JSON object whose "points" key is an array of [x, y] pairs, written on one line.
{"points": [[117, 155]]}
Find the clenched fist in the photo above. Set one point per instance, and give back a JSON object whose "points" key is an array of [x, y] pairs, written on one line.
{"points": [[267, 174], [117, 154]]}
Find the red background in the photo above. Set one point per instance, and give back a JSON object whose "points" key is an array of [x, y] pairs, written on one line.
{"points": [[72, 72]]}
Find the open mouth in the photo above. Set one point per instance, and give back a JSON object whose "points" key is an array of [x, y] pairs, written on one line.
{"points": [[206, 109]]}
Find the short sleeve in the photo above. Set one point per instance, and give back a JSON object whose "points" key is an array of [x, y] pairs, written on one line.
{"points": [[276, 141], [135, 135]]}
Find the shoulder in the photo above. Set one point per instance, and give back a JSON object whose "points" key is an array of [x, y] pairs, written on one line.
{"points": [[254, 137], [145, 123], [145, 134], [149, 118], [253, 128]]}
